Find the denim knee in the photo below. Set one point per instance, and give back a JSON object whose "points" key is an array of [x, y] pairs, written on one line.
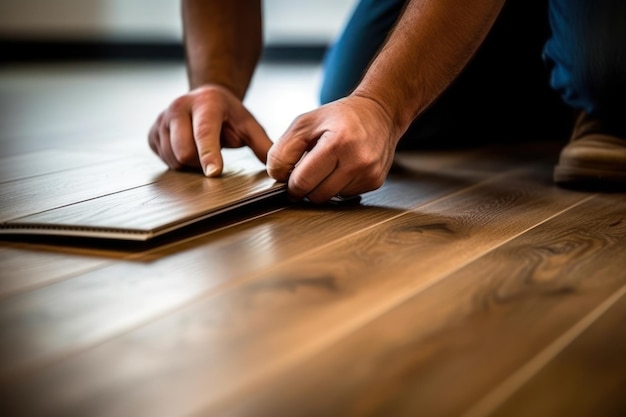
{"points": [[364, 34], [587, 54]]}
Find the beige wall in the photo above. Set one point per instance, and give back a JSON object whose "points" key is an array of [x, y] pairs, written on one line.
{"points": [[286, 20]]}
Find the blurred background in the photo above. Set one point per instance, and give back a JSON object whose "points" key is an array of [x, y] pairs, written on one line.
{"points": [[96, 73], [287, 22]]}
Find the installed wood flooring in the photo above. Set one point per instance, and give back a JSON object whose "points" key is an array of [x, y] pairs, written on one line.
{"points": [[468, 285]]}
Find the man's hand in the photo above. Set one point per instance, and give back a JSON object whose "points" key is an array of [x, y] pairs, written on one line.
{"points": [[193, 129], [343, 148]]}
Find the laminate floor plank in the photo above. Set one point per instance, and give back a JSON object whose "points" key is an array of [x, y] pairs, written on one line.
{"points": [[589, 374], [37, 194], [25, 269], [167, 202], [450, 344], [228, 341], [90, 308], [46, 162], [134, 201]]}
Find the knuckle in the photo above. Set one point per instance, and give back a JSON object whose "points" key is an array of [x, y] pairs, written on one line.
{"points": [[152, 142], [368, 160], [300, 119], [155, 130], [163, 132], [184, 153], [299, 123], [203, 131], [175, 165], [299, 185], [366, 167], [153, 134], [179, 105]]}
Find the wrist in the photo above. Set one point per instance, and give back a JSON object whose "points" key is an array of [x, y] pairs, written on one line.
{"points": [[397, 122], [213, 79], [219, 86]]}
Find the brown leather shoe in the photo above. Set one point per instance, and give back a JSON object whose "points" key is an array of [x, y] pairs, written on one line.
{"points": [[594, 159]]}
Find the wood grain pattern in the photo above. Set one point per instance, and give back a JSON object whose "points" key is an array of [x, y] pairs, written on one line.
{"points": [[37, 194], [165, 278], [46, 162], [132, 202], [171, 199], [26, 269], [470, 302], [590, 373], [236, 337], [450, 344]]}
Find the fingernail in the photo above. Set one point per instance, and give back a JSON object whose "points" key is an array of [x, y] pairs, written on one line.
{"points": [[211, 170]]}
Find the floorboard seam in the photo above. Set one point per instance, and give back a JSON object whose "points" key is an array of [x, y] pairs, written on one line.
{"points": [[130, 257], [356, 324], [509, 386], [211, 292]]}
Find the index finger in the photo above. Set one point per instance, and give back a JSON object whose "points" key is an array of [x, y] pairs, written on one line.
{"points": [[207, 126], [289, 149]]}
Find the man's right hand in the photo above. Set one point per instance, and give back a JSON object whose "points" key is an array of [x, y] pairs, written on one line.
{"points": [[194, 128]]}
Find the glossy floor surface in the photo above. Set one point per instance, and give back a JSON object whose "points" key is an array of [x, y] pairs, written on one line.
{"points": [[468, 285]]}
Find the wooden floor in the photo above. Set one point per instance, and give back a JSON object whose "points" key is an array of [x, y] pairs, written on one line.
{"points": [[468, 285]]}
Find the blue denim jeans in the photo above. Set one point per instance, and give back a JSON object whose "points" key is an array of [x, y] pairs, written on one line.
{"points": [[522, 82], [587, 56]]}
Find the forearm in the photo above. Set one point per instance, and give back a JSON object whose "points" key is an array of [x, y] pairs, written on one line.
{"points": [[432, 42], [223, 42]]}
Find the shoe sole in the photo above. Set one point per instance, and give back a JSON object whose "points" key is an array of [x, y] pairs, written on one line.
{"points": [[589, 178]]}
